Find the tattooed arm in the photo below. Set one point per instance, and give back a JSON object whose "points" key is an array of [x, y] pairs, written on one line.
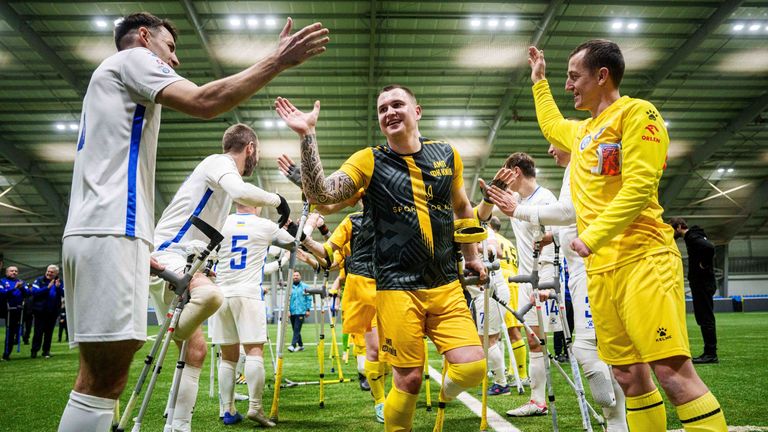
{"points": [[317, 188]]}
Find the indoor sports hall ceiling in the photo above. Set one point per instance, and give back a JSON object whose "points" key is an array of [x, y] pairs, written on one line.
{"points": [[704, 64]]}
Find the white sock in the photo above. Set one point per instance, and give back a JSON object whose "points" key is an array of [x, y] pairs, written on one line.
{"points": [[361, 364], [86, 413], [240, 363], [616, 416], [254, 376], [538, 373], [496, 364], [227, 385], [185, 401]]}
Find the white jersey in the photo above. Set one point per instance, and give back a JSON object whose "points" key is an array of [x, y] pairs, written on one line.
{"points": [[567, 234], [200, 195], [525, 231], [113, 183], [247, 237]]}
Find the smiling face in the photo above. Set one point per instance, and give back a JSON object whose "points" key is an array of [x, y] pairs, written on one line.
{"points": [[398, 112], [160, 41], [562, 158], [11, 272], [583, 83]]}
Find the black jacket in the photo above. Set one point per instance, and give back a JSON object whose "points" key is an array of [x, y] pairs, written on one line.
{"points": [[701, 257]]}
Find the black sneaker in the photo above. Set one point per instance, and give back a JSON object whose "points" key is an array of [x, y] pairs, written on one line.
{"points": [[364, 386], [34, 354], [561, 358], [705, 358]]}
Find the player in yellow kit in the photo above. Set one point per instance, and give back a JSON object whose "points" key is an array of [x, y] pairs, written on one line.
{"points": [[633, 265], [413, 189]]}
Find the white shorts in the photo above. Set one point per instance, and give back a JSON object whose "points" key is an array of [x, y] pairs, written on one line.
{"points": [[550, 313], [159, 294], [105, 287], [583, 326], [496, 314], [240, 320]]}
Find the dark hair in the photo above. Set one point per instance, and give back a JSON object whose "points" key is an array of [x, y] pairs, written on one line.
{"points": [[398, 86], [495, 223], [602, 53], [236, 137], [133, 21], [678, 222], [522, 161]]}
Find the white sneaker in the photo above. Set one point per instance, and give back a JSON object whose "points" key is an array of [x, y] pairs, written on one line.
{"points": [[259, 417], [528, 409], [291, 348]]}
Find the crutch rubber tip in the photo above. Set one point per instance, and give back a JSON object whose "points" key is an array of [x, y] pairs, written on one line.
{"points": [[322, 405], [429, 409]]}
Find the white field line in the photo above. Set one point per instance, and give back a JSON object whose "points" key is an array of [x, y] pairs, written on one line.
{"points": [[495, 421]]}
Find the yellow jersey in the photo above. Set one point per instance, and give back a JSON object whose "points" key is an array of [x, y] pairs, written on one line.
{"points": [[617, 160]]}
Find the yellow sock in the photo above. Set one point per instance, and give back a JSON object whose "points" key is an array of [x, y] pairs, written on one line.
{"points": [[398, 410], [374, 372], [646, 413], [518, 349], [702, 415]]}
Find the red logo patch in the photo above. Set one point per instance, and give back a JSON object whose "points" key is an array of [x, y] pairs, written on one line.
{"points": [[652, 129]]}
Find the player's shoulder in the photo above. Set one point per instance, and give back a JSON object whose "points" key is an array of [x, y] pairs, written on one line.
{"points": [[641, 107]]}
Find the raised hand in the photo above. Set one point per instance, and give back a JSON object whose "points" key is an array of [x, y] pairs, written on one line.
{"points": [[505, 200], [294, 49], [537, 63], [301, 123], [289, 169]]}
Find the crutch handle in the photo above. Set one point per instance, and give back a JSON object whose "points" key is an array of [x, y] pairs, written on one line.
{"points": [[213, 235], [520, 279], [178, 281]]}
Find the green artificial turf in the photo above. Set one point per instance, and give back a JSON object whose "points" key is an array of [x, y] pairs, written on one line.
{"points": [[33, 392]]}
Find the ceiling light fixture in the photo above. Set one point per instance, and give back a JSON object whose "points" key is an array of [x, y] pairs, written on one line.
{"points": [[100, 23], [617, 25], [442, 122], [73, 126], [475, 22], [755, 27], [730, 170], [738, 27], [252, 22], [235, 22], [455, 123], [633, 25], [468, 122], [269, 124], [281, 124], [721, 170], [60, 126], [493, 23], [509, 23], [270, 21]]}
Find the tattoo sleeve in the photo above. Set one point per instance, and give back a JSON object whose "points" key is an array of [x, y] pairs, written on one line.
{"points": [[318, 189]]}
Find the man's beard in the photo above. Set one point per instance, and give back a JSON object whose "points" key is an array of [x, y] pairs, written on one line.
{"points": [[250, 165]]}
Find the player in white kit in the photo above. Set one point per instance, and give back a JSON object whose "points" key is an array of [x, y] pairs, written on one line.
{"points": [[242, 317], [109, 229], [522, 179], [562, 217], [207, 193]]}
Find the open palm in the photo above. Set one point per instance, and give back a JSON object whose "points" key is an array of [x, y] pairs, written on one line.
{"points": [[301, 122]]}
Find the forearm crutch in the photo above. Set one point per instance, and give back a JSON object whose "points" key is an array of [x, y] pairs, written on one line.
{"points": [[335, 358], [274, 411], [179, 284], [510, 352], [575, 370], [426, 375]]}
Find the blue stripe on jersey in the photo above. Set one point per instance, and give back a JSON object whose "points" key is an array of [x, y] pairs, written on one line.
{"points": [[81, 141], [133, 161], [187, 224]]}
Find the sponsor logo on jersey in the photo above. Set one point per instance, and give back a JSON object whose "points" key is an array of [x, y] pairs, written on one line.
{"points": [[652, 115], [652, 129], [663, 335], [387, 347]]}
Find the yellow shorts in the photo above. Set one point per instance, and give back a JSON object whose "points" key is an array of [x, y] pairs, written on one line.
{"points": [[639, 310], [510, 319], [358, 342], [358, 304], [406, 316]]}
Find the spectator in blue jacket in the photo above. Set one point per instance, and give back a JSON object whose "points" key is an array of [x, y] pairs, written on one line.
{"points": [[47, 291], [12, 294], [301, 304]]}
